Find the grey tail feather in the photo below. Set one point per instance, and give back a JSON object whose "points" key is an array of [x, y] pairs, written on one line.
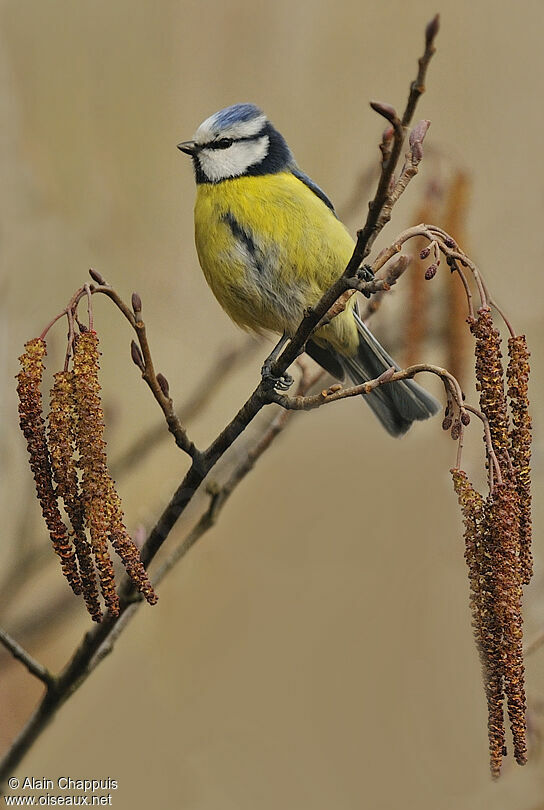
{"points": [[396, 404]]}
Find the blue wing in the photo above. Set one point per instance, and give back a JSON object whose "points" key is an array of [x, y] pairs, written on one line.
{"points": [[313, 187]]}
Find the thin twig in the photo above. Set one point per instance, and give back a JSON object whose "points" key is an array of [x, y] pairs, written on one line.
{"points": [[89, 306], [213, 379], [489, 447], [71, 338], [418, 86], [507, 323], [444, 243], [408, 172], [460, 447], [33, 666], [335, 393], [148, 373]]}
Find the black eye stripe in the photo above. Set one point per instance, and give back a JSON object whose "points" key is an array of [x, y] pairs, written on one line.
{"points": [[224, 143]]}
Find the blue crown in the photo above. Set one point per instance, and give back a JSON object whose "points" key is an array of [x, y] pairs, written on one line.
{"points": [[236, 113]]}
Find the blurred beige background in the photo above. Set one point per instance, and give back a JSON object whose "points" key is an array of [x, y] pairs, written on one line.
{"points": [[314, 651]]}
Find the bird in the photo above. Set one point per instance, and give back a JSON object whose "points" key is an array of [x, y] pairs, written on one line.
{"points": [[270, 244]]}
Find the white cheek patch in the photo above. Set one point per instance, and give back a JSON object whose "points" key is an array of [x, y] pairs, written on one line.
{"points": [[220, 164], [209, 129]]}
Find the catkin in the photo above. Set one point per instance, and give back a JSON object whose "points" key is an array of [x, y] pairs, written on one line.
{"points": [[102, 505], [33, 427], [62, 437], [518, 378]]}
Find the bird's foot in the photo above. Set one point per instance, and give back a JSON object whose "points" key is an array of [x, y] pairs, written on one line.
{"points": [[365, 273], [282, 383]]}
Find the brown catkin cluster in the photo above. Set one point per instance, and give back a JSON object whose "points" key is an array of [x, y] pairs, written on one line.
{"points": [[497, 537], [72, 454], [503, 518], [102, 506], [33, 427], [62, 440], [479, 555]]}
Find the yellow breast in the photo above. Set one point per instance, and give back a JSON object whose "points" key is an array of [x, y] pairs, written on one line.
{"points": [[269, 248]]}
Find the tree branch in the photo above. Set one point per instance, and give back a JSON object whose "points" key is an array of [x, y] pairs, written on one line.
{"points": [[101, 638], [337, 392]]}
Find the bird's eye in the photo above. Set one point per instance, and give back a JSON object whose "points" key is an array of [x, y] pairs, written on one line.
{"points": [[222, 143]]}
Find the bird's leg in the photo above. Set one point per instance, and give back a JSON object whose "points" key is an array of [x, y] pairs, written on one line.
{"points": [[284, 382]]}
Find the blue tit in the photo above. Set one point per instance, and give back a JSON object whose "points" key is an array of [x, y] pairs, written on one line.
{"points": [[270, 244]]}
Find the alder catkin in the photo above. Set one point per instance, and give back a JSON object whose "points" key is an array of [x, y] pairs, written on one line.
{"points": [[62, 437], [480, 556], [92, 460], [518, 378], [103, 510], [33, 427]]}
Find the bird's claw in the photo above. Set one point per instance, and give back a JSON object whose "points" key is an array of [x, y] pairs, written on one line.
{"points": [[282, 383], [365, 273]]}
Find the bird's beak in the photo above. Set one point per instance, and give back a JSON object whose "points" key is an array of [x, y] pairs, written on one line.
{"points": [[189, 147]]}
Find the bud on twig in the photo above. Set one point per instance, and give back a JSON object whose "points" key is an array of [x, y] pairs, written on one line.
{"points": [[430, 272], [387, 374], [416, 139], [96, 276], [136, 303], [396, 267], [163, 383], [136, 355], [387, 135], [456, 430], [432, 30], [386, 110]]}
